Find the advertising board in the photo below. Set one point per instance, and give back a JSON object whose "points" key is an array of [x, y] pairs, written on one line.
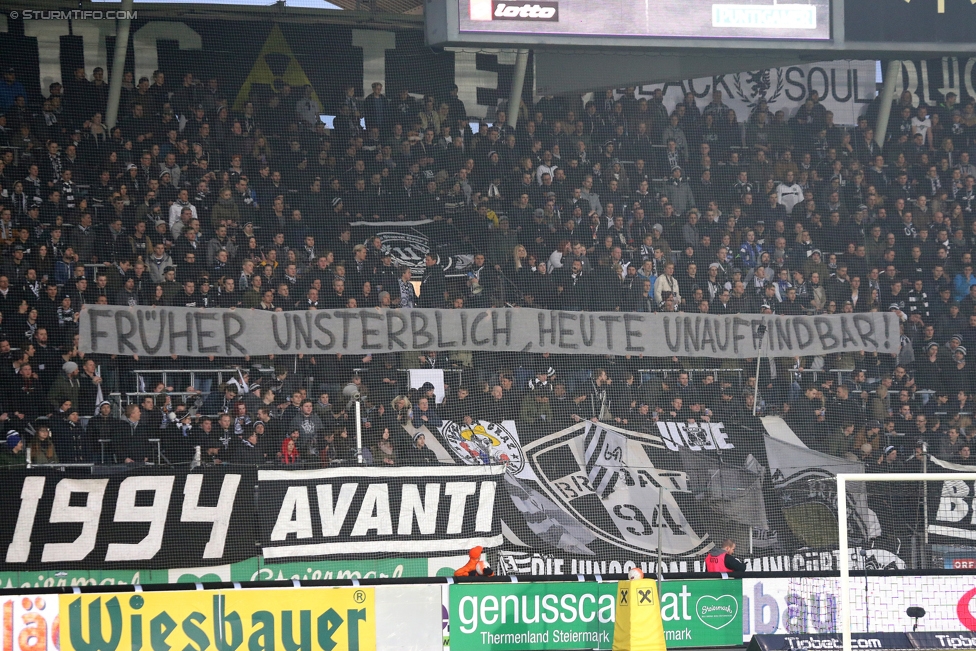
{"points": [[325, 619], [539, 616], [31, 623], [804, 605], [660, 18]]}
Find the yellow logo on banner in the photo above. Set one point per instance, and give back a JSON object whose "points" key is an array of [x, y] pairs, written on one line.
{"points": [[275, 62], [320, 619]]}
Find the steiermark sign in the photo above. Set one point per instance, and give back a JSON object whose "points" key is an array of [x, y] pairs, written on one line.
{"points": [[531, 616]]}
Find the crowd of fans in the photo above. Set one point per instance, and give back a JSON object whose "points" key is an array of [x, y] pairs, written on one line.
{"points": [[618, 203]]}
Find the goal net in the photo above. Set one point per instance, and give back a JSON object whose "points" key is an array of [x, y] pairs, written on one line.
{"points": [[868, 601]]}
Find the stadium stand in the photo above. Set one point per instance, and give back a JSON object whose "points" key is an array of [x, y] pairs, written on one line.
{"points": [[615, 204]]}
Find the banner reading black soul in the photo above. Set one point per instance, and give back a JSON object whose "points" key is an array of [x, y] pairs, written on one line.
{"points": [[374, 511], [144, 518]]}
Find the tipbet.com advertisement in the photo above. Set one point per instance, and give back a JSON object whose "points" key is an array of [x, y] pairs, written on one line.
{"points": [[809, 20]]}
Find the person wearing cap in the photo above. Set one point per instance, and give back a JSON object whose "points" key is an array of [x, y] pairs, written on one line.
{"points": [[888, 461], [65, 387], [960, 376], [12, 452], [815, 264], [929, 368]]}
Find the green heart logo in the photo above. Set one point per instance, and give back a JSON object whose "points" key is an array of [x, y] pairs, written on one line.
{"points": [[717, 612]]}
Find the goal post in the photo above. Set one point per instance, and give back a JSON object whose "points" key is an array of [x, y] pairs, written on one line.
{"points": [[843, 479]]}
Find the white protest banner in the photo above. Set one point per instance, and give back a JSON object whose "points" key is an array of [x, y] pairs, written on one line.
{"points": [[123, 330]]}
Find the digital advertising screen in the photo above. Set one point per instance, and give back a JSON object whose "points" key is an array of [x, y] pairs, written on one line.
{"points": [[717, 19]]}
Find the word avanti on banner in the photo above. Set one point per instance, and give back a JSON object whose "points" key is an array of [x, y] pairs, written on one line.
{"points": [[123, 330]]}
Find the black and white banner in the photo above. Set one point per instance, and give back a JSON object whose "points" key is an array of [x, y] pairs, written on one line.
{"points": [[123, 330], [408, 242], [806, 485], [603, 499], [844, 88], [950, 505], [610, 496], [364, 511], [930, 80], [484, 443], [141, 519]]}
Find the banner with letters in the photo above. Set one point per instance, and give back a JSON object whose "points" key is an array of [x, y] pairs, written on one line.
{"points": [[319, 619], [604, 499], [591, 498], [144, 518], [31, 622], [811, 606], [595, 498], [160, 331], [363, 511], [542, 616], [950, 505], [844, 87], [930, 80]]}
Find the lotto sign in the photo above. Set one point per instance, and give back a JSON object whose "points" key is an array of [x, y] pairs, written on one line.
{"points": [[336, 619], [30, 623]]}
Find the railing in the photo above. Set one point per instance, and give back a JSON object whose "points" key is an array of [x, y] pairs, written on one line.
{"points": [[692, 372], [134, 397], [141, 374]]}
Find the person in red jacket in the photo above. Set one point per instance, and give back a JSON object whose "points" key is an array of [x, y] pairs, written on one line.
{"points": [[722, 560], [475, 566]]}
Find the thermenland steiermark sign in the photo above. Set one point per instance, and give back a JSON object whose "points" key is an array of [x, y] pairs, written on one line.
{"points": [[526, 617]]}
